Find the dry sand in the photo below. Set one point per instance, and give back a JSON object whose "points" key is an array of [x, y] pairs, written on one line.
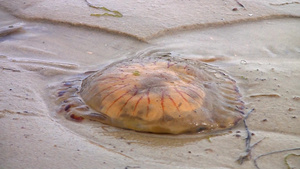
{"points": [[45, 42]]}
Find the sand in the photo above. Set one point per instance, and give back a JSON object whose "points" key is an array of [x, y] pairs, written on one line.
{"points": [[46, 42]]}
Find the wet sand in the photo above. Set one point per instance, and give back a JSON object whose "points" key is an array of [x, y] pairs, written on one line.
{"points": [[44, 43]]}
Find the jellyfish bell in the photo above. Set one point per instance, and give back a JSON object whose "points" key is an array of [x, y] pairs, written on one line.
{"points": [[154, 94]]}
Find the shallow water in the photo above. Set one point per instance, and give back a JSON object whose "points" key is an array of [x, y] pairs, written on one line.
{"points": [[265, 66]]}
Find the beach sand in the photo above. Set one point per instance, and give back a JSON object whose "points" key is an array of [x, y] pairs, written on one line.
{"points": [[43, 43]]}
